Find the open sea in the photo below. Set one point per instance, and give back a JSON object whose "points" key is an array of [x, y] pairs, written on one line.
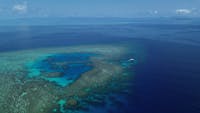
{"points": [[166, 80]]}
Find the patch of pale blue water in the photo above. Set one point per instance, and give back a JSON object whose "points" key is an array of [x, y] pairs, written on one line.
{"points": [[65, 68]]}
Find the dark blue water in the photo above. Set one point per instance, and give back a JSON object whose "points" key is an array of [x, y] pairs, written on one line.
{"points": [[167, 81]]}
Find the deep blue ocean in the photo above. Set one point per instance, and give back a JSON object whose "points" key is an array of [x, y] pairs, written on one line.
{"points": [[167, 81]]}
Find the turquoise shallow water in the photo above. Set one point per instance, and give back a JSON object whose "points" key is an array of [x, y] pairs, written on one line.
{"points": [[64, 68]]}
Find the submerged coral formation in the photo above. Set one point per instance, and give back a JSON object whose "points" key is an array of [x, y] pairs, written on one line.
{"points": [[62, 69], [63, 80]]}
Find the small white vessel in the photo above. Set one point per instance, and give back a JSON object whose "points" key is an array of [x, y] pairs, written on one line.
{"points": [[132, 59]]}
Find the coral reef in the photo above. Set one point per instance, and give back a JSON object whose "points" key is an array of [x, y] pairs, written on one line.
{"points": [[63, 80]]}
